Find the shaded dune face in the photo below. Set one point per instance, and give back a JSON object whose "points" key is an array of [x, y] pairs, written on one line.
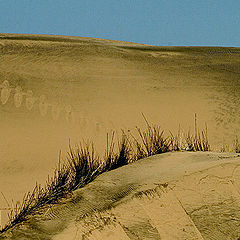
{"points": [[60, 88]]}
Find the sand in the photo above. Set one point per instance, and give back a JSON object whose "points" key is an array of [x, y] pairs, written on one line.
{"points": [[62, 88], [181, 195]]}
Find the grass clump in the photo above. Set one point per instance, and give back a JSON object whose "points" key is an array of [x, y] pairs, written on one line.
{"points": [[55, 188], [124, 153], [152, 142], [197, 141], [83, 164], [236, 145]]}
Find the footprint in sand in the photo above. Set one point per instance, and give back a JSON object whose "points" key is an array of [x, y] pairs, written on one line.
{"points": [[69, 115], [99, 127], [56, 110], [18, 97], [5, 92], [80, 120], [43, 105], [30, 100]]}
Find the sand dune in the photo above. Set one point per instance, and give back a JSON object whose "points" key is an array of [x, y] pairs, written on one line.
{"points": [[168, 196], [55, 87]]}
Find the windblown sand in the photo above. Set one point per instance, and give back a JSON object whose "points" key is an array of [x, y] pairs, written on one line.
{"points": [[98, 85], [181, 195]]}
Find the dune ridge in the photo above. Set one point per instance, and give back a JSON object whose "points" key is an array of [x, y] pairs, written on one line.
{"points": [[107, 85], [177, 195]]}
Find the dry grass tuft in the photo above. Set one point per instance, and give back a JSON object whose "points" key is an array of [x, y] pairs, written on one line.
{"points": [[199, 140], [236, 145], [83, 164], [124, 155], [56, 188], [150, 141], [153, 141]]}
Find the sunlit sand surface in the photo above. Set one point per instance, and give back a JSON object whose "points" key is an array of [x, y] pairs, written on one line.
{"points": [[57, 88], [181, 195]]}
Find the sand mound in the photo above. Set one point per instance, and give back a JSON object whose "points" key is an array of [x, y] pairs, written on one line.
{"points": [[53, 88], [180, 195]]}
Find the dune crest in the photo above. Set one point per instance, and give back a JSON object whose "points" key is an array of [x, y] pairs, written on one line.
{"points": [[180, 195]]}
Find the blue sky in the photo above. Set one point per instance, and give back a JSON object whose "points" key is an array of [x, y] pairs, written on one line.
{"points": [[156, 22]]}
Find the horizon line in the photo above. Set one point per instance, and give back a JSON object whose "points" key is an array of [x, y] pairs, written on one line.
{"points": [[109, 39]]}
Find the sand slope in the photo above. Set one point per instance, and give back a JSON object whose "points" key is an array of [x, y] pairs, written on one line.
{"points": [[180, 195], [91, 86], [109, 83]]}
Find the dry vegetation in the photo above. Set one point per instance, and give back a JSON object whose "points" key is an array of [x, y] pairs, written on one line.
{"points": [[46, 63], [236, 145], [83, 164]]}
